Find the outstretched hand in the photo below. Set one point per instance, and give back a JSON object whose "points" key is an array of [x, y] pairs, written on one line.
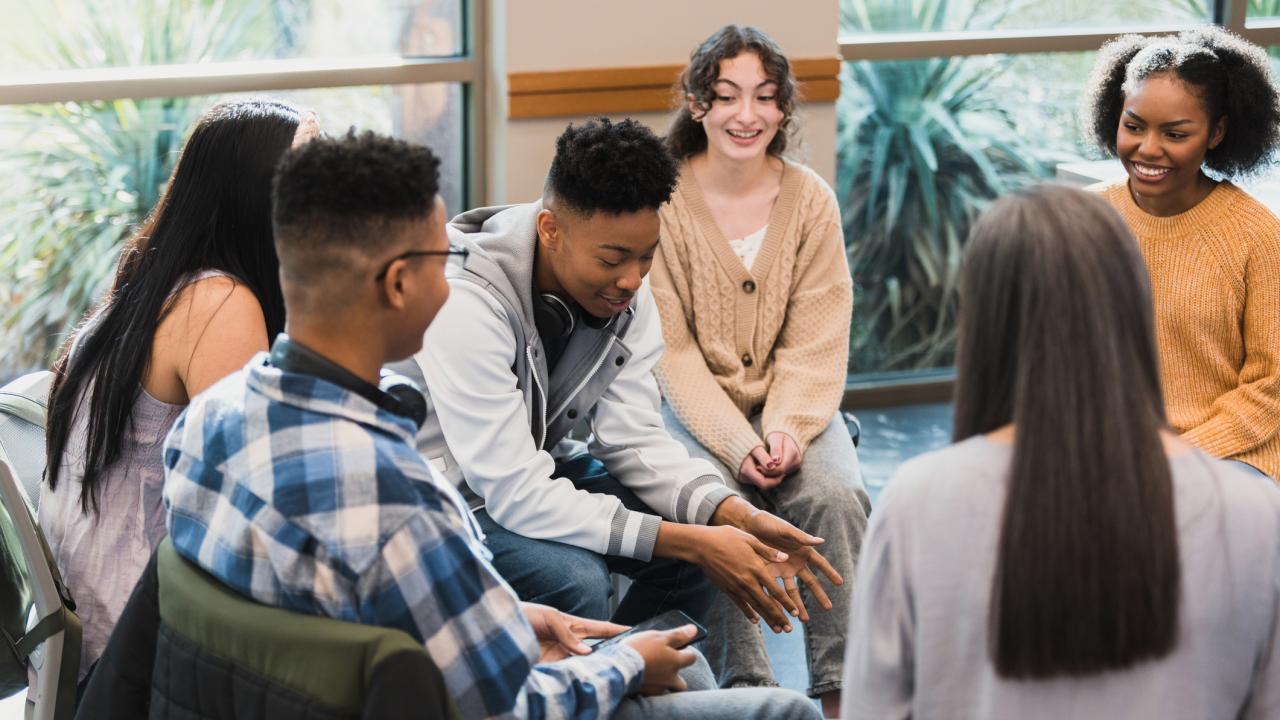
{"points": [[802, 562]]}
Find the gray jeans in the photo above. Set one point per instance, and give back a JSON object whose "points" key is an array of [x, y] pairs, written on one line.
{"points": [[825, 497], [703, 702], [735, 704]]}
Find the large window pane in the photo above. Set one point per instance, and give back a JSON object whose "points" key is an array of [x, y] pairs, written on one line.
{"points": [[861, 16], [1263, 9], [79, 176], [63, 34], [922, 147]]}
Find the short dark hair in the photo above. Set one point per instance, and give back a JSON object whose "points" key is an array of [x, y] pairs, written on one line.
{"points": [[1087, 569], [346, 189], [602, 166], [1231, 76], [687, 137]]}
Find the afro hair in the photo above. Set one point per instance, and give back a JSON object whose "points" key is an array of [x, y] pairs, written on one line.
{"points": [[1232, 78], [602, 166]]}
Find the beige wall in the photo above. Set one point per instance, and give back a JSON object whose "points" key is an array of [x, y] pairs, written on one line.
{"points": [[535, 35]]}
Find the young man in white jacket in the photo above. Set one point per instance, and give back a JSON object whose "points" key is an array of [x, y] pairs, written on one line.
{"points": [[551, 324]]}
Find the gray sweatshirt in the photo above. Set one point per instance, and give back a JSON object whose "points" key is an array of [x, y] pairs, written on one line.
{"points": [[918, 629], [498, 416]]}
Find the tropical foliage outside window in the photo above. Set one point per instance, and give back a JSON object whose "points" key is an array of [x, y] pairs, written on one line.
{"points": [[80, 176]]}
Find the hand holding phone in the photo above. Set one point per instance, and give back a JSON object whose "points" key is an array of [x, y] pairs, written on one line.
{"points": [[665, 653], [669, 620]]}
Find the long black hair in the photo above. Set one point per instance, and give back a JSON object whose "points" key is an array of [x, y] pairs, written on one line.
{"points": [[214, 215], [686, 137], [1057, 338]]}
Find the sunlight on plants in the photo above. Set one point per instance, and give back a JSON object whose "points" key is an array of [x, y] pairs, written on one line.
{"points": [[81, 176]]}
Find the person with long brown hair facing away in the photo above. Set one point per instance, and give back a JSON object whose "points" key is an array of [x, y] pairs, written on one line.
{"points": [[1070, 555], [754, 291], [1186, 114], [196, 294]]}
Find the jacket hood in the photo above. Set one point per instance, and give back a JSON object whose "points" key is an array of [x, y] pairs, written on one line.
{"points": [[503, 244]]}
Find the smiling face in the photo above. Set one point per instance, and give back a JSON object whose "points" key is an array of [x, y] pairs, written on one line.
{"points": [[744, 116], [598, 261], [1162, 140]]}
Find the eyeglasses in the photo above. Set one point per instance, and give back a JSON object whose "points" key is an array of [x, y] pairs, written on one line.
{"points": [[453, 250]]}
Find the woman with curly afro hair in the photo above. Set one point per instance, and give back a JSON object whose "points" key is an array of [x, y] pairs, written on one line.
{"points": [[1187, 115], [755, 297]]}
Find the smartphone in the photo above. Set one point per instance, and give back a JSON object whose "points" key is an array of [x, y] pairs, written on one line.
{"points": [[669, 620]]}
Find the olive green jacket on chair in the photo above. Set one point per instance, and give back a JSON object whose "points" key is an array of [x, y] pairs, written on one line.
{"points": [[219, 655]]}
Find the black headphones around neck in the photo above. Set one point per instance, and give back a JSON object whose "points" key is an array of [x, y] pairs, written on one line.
{"points": [[395, 393], [557, 318]]}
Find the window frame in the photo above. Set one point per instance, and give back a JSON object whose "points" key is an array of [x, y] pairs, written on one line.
{"points": [[470, 68]]}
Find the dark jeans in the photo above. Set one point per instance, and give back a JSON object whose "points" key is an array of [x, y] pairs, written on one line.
{"points": [[576, 581]]}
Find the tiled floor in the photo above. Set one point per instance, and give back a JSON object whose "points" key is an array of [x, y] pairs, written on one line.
{"points": [[889, 436]]}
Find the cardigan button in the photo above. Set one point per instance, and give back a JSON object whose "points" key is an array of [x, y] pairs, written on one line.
{"points": [[747, 361], [749, 286]]}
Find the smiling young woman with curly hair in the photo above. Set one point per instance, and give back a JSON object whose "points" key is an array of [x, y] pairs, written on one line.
{"points": [[755, 298], [1186, 115]]}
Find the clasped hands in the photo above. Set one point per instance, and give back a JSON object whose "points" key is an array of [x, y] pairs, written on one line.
{"points": [[766, 466]]}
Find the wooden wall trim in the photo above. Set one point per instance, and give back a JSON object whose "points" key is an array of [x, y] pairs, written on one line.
{"points": [[635, 89]]}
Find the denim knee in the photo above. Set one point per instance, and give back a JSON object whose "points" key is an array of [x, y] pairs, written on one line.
{"points": [[579, 588]]}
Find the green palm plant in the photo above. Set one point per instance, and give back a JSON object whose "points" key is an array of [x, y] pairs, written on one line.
{"points": [[81, 175], [922, 147]]}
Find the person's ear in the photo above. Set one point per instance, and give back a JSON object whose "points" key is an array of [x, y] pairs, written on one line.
{"points": [[695, 112], [1218, 133], [394, 286], [548, 230]]}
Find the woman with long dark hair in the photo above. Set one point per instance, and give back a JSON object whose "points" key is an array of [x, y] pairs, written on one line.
{"points": [[1069, 556], [1186, 115], [755, 296], [196, 294]]}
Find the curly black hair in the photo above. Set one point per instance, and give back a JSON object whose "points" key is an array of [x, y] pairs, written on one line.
{"points": [[1231, 76], [686, 137], [611, 167], [336, 190]]}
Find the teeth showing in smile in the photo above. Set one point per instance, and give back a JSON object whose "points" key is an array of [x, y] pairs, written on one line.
{"points": [[1148, 171], [744, 134]]}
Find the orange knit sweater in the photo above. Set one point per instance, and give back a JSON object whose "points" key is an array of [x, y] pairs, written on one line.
{"points": [[773, 340], [1215, 276]]}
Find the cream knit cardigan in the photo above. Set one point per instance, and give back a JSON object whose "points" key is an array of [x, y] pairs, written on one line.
{"points": [[773, 340]]}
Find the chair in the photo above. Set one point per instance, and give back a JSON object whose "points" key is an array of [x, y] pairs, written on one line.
{"points": [[36, 618], [220, 655], [854, 425], [22, 424]]}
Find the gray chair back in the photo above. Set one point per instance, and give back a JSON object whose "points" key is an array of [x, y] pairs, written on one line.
{"points": [[38, 626], [22, 424]]}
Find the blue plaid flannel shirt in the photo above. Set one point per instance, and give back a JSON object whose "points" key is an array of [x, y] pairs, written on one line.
{"points": [[303, 495]]}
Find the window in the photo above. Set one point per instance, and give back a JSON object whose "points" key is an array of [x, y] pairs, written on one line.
{"points": [[73, 34], [947, 104], [106, 91], [922, 147], [881, 16]]}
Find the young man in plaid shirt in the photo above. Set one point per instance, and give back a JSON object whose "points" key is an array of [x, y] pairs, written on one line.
{"points": [[295, 481]]}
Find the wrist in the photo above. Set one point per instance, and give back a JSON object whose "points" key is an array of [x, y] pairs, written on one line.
{"points": [[678, 541], [733, 511]]}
